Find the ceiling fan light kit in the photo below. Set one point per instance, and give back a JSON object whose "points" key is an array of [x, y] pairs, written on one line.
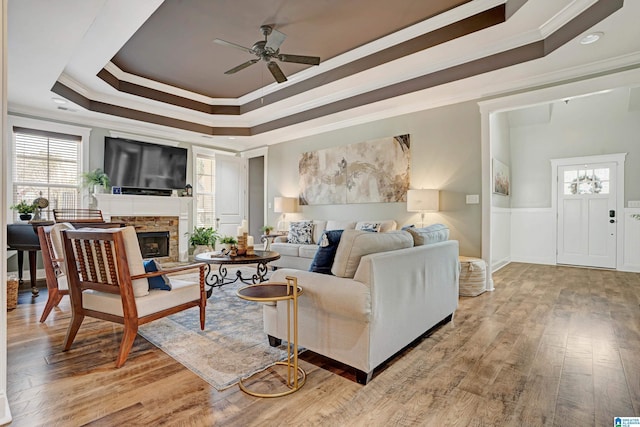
{"points": [[268, 50]]}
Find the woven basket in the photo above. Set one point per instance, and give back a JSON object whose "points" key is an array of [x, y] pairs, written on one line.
{"points": [[473, 278], [12, 294]]}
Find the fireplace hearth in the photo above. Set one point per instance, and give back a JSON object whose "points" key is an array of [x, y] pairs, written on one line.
{"points": [[154, 244], [157, 235]]}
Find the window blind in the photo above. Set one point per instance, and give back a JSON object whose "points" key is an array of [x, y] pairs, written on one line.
{"points": [[46, 164]]}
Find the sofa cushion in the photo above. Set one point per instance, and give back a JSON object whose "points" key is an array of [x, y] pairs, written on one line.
{"points": [[287, 249], [319, 226], [433, 233], [157, 282], [340, 225], [354, 244], [323, 260], [301, 232], [307, 251]]}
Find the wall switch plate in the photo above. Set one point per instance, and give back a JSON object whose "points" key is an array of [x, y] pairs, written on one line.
{"points": [[634, 203], [473, 199], [269, 205]]}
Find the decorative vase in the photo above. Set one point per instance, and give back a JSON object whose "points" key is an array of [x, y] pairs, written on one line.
{"points": [[25, 217]]}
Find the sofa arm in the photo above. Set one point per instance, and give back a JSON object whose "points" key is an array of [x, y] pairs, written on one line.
{"points": [[280, 239]]}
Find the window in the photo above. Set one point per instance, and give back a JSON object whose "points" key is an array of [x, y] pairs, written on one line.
{"points": [[586, 181], [205, 190], [46, 164]]}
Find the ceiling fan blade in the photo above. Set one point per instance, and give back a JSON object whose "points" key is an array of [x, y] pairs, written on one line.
{"points": [[275, 39], [242, 66], [276, 72], [299, 59], [229, 44]]}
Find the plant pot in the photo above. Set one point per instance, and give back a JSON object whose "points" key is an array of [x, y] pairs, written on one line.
{"points": [[25, 217], [199, 249]]}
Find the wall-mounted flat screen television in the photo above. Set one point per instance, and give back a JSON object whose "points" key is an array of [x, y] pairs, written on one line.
{"points": [[136, 165]]}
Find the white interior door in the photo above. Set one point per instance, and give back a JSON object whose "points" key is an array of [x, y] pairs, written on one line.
{"points": [[587, 222], [230, 193]]}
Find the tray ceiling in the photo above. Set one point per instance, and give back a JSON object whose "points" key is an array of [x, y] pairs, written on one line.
{"points": [[154, 64]]}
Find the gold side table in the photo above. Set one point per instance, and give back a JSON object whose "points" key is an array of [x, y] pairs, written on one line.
{"points": [[272, 292]]}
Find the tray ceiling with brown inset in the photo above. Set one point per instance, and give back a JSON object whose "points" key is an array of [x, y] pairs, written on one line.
{"points": [[154, 63]]}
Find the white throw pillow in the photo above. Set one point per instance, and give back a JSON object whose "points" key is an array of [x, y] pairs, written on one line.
{"points": [[427, 235]]}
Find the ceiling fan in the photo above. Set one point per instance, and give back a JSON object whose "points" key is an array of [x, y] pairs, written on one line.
{"points": [[268, 50]]}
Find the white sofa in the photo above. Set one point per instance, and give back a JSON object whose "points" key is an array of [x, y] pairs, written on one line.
{"points": [[299, 256], [385, 293]]}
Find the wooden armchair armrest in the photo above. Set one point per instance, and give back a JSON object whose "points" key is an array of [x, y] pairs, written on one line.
{"points": [[169, 271]]}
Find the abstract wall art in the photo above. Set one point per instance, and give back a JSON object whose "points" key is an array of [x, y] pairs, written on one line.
{"points": [[374, 171]]}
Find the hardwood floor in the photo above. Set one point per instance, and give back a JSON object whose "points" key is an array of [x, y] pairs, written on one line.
{"points": [[551, 346]]}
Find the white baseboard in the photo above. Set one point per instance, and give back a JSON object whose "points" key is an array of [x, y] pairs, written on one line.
{"points": [[40, 274], [535, 260], [497, 265], [5, 413], [630, 268]]}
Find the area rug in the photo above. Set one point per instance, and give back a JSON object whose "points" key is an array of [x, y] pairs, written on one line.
{"points": [[233, 344]]}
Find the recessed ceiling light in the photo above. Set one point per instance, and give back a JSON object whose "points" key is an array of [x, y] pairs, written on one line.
{"points": [[591, 37], [59, 100]]}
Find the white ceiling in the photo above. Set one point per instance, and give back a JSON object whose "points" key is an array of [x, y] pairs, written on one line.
{"points": [[71, 41]]}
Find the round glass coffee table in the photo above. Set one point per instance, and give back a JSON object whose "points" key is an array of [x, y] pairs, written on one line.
{"points": [[272, 292], [219, 278]]}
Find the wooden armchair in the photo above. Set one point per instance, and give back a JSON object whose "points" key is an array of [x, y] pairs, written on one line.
{"points": [[54, 269], [107, 281], [77, 215]]}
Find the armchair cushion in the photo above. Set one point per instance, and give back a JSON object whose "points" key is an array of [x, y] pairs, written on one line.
{"points": [[56, 242], [134, 257], [182, 291], [158, 282]]}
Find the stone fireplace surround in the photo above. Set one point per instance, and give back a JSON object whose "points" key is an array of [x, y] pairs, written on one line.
{"points": [[152, 213]]}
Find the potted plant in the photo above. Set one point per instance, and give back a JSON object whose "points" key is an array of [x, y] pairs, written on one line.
{"points": [[96, 180], [227, 241], [267, 229], [24, 209], [203, 239]]}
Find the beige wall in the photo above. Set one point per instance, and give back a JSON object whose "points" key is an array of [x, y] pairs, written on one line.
{"points": [[445, 154]]}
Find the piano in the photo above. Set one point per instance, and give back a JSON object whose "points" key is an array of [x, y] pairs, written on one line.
{"points": [[23, 237]]}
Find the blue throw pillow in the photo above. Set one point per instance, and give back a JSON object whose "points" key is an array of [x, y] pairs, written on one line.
{"points": [[323, 261], [157, 282]]}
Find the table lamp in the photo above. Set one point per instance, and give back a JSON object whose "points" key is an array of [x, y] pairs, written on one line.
{"points": [[423, 201], [284, 205]]}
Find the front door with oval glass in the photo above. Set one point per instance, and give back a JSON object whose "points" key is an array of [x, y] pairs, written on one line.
{"points": [[587, 217]]}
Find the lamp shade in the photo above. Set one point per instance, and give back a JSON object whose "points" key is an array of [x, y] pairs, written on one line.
{"points": [[284, 204], [423, 200]]}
